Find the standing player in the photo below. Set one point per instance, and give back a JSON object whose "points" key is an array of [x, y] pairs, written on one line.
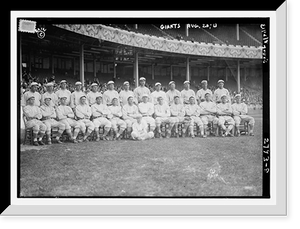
{"points": [[200, 95], [50, 93], [110, 94], [221, 91], [66, 116], [147, 110], [158, 93], [172, 93], [116, 121], [186, 93], [130, 112], [32, 92], [224, 112], [83, 113], [177, 115], [49, 115], [33, 115], [91, 96], [240, 112], [76, 95], [141, 90], [140, 129], [208, 113], [100, 114], [192, 110], [125, 94], [64, 92], [163, 114]]}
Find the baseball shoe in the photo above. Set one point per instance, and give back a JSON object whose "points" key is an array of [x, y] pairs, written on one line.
{"points": [[192, 135], [48, 143], [238, 134], [204, 136], [58, 141], [35, 143], [97, 139]]}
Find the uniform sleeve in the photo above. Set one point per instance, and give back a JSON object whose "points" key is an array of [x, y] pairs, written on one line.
{"points": [[124, 111], [105, 98], [229, 108], [245, 109], [173, 112], [198, 111], [168, 112], [72, 101], [26, 112], [70, 113], [23, 100], [234, 110], [60, 114], [188, 111], [53, 114], [151, 109], [89, 111], [95, 112], [78, 112], [182, 112], [157, 111], [44, 112]]}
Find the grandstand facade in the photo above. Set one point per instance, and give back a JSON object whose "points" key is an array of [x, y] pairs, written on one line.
{"points": [[102, 52]]}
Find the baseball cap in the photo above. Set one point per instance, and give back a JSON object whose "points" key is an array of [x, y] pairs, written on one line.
{"points": [[49, 84], [223, 96], [94, 84], [207, 93], [63, 97], [31, 97], [110, 82], [126, 83], [82, 96], [237, 95], [34, 84], [63, 81], [171, 82], [130, 97], [186, 82], [204, 81], [78, 83], [220, 81], [47, 97], [158, 83], [142, 78], [145, 95]]}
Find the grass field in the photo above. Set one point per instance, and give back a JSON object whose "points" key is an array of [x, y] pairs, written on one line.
{"points": [[156, 167]]}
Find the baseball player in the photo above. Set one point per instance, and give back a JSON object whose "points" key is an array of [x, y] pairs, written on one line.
{"points": [[76, 95], [177, 116], [63, 92], [208, 113], [116, 121], [83, 113], [172, 92], [147, 110], [66, 116], [100, 115], [163, 114], [32, 92], [193, 111], [224, 112], [186, 93], [49, 116], [200, 95], [158, 93], [240, 112], [130, 112], [33, 115], [221, 91], [124, 94], [91, 96], [141, 90], [140, 129], [110, 94], [50, 93]]}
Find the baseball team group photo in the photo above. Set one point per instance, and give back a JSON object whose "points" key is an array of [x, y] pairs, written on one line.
{"points": [[140, 110]]}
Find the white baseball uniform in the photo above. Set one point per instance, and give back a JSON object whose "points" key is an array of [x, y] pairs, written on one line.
{"points": [[109, 95], [224, 112], [129, 114], [156, 94], [186, 94], [200, 95], [163, 114], [240, 112], [33, 115], [28, 94], [139, 92], [193, 111], [123, 96], [64, 93], [171, 94], [147, 110], [53, 96], [116, 120], [100, 114], [66, 116], [49, 115], [83, 113], [75, 98], [140, 131], [208, 112], [219, 92], [91, 97]]}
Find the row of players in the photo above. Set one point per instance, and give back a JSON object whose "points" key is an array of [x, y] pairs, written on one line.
{"points": [[134, 118], [110, 93]]}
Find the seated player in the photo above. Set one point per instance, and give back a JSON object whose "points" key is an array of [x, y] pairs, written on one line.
{"points": [[240, 112], [162, 116], [147, 110], [83, 113], [49, 116], [33, 115], [208, 113], [130, 112], [192, 110], [66, 116], [140, 129], [100, 115], [177, 116], [91, 96], [224, 112], [118, 125]]}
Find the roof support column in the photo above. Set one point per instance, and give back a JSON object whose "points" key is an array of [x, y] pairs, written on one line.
{"points": [[226, 74], [208, 73], [136, 69], [188, 69], [152, 71], [171, 72], [238, 76], [95, 67], [115, 70], [81, 64]]}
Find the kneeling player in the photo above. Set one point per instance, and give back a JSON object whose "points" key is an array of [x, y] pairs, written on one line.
{"points": [[240, 112], [140, 129], [100, 114]]}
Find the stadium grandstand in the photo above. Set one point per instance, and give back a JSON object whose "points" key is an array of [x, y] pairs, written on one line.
{"points": [[124, 52]]}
